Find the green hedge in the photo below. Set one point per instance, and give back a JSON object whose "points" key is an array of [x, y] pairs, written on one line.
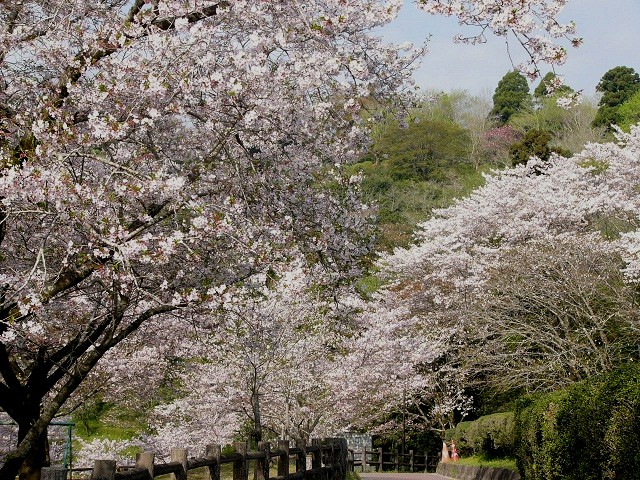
{"points": [[589, 431], [490, 436]]}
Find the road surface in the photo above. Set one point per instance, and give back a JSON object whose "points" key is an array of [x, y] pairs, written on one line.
{"points": [[402, 476]]}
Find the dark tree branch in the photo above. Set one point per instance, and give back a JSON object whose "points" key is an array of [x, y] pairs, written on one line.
{"points": [[14, 459], [67, 357], [135, 9], [8, 368], [193, 17], [3, 223]]}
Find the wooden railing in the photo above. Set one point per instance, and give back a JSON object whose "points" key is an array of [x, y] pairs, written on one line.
{"points": [[387, 461], [328, 461]]}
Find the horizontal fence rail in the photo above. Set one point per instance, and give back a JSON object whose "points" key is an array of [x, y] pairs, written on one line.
{"points": [[386, 461], [328, 461]]}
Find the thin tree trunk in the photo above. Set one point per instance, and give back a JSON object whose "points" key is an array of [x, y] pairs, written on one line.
{"points": [[255, 405]]}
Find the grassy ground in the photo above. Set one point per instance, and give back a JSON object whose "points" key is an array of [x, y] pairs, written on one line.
{"points": [[480, 461]]}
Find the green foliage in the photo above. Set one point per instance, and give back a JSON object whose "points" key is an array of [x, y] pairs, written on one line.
{"points": [[404, 203], [617, 86], [442, 106], [511, 96], [570, 128], [534, 143], [368, 285], [490, 462], [353, 476], [588, 431], [596, 167], [419, 151], [542, 89], [535, 430], [607, 116], [629, 112], [410, 171], [548, 116], [491, 436], [97, 418]]}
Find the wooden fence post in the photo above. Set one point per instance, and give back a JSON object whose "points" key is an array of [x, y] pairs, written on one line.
{"points": [[104, 470], [145, 460], [327, 452], [411, 461], [180, 455], [301, 461], [283, 459], [397, 460], [214, 452], [262, 464], [426, 462], [336, 460], [53, 473], [316, 459], [364, 459], [330, 459], [240, 465], [342, 453], [380, 464]]}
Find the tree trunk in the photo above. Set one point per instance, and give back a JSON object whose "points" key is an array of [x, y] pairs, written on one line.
{"points": [[27, 467], [257, 420], [10, 468], [30, 469]]}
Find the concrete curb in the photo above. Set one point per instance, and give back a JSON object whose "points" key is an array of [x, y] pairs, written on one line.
{"points": [[469, 472]]}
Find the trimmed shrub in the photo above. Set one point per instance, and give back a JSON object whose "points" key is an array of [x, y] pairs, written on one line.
{"points": [[491, 436], [589, 431], [622, 436]]}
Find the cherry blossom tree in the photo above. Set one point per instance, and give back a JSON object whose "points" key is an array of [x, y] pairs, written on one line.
{"points": [[256, 364], [537, 268], [154, 152], [260, 359], [561, 313], [496, 142], [398, 374]]}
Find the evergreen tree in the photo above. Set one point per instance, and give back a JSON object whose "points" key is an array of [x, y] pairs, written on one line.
{"points": [[511, 96], [617, 86], [534, 143], [542, 90]]}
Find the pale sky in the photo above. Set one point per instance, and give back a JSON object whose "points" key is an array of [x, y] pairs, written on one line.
{"points": [[610, 29]]}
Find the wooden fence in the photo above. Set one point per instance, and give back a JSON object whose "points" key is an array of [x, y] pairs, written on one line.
{"points": [[397, 461], [328, 459]]}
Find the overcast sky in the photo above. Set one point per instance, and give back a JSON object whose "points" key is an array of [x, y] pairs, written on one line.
{"points": [[610, 29]]}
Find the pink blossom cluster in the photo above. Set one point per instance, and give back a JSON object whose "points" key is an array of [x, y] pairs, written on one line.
{"points": [[534, 25]]}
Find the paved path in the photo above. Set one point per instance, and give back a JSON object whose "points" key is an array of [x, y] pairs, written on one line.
{"points": [[402, 476]]}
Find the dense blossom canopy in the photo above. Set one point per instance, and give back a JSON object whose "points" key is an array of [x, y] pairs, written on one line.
{"points": [[154, 154], [546, 253]]}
